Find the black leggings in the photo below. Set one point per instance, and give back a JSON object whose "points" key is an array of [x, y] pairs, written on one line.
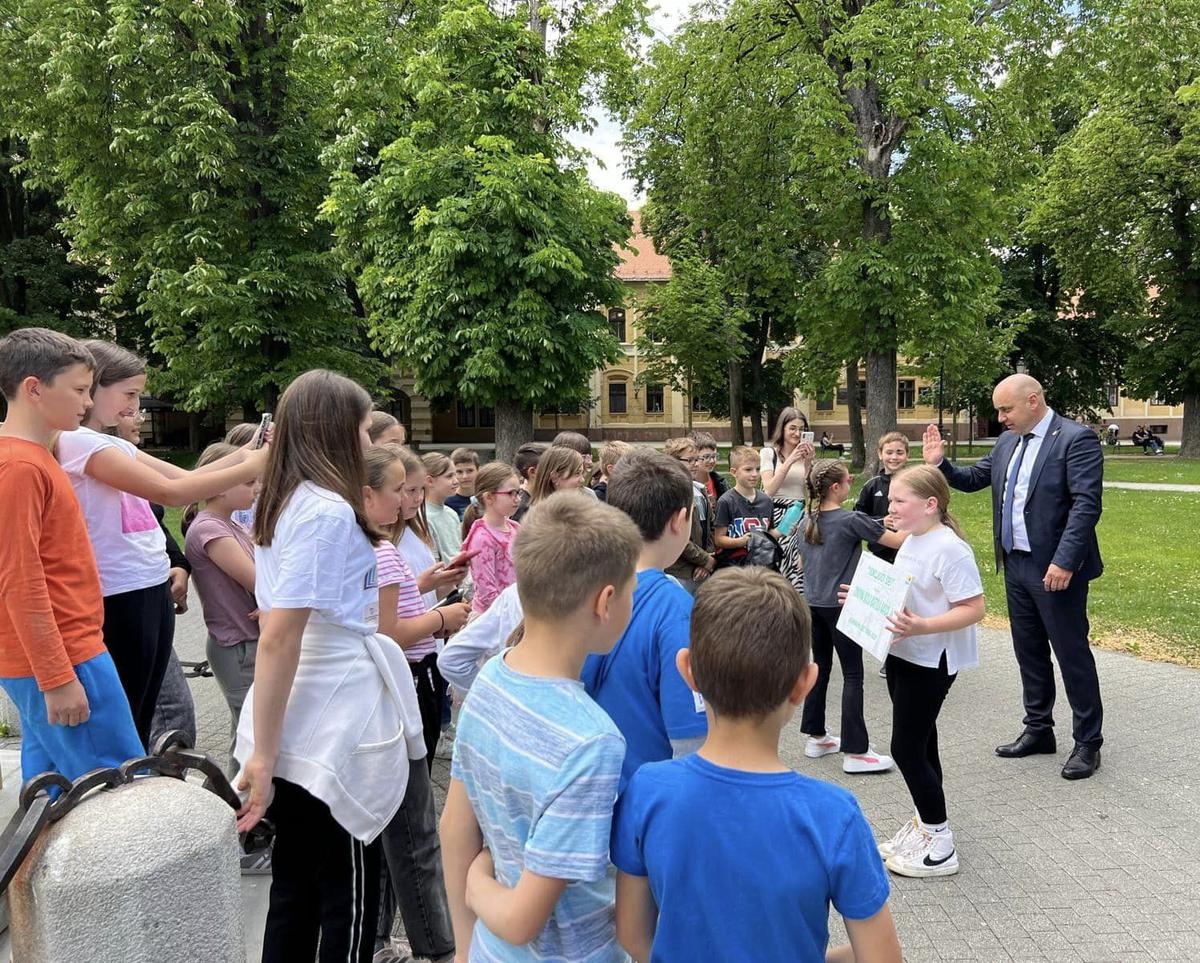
{"points": [[917, 693], [324, 886], [431, 692], [139, 627], [825, 639]]}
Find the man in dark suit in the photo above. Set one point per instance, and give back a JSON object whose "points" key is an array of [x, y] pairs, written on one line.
{"points": [[1046, 474]]}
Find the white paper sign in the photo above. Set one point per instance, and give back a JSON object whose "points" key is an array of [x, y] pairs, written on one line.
{"points": [[877, 590]]}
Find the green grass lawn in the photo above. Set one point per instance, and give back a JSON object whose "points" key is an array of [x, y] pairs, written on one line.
{"points": [[1167, 469]]}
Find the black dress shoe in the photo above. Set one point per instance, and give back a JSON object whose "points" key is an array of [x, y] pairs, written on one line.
{"points": [[1082, 763], [1029, 744]]}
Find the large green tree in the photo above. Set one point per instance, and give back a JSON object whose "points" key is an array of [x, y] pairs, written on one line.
{"points": [[184, 139], [481, 252], [1120, 202]]}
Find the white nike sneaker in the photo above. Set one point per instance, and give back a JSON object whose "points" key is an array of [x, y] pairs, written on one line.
{"points": [[818, 746], [903, 836], [869, 761], [931, 854]]}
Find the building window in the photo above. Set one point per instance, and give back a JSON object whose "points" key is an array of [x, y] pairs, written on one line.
{"points": [[617, 404], [487, 417], [655, 404], [1157, 429], [844, 400], [465, 415], [698, 404], [906, 393], [616, 321], [1114, 396], [825, 402]]}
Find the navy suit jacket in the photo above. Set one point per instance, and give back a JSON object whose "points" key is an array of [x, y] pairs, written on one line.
{"points": [[1063, 503]]}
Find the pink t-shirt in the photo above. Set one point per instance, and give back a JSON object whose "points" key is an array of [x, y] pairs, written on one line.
{"points": [[226, 603], [393, 570], [492, 569]]}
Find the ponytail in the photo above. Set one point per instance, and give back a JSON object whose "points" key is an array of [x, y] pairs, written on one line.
{"points": [[825, 473], [214, 452]]}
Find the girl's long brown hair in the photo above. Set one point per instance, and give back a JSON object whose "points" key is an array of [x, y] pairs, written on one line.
{"points": [[316, 439], [555, 460], [419, 523], [786, 416], [492, 478], [825, 473], [925, 481]]}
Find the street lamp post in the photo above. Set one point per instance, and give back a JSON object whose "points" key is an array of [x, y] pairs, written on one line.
{"points": [[941, 388]]}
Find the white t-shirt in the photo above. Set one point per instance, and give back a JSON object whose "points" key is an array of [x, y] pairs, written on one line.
{"points": [[944, 572], [319, 559], [792, 486], [131, 550], [419, 557]]}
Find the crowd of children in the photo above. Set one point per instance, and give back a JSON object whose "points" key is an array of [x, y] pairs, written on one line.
{"points": [[625, 654]]}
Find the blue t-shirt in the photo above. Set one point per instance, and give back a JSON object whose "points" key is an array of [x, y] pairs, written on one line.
{"points": [[743, 865], [459, 503], [637, 683], [540, 762]]}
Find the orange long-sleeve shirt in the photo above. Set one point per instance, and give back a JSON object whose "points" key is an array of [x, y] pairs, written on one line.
{"points": [[51, 610]]}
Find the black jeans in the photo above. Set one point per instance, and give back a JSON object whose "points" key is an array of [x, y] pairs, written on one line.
{"points": [[917, 693], [826, 638], [139, 628], [324, 886], [1042, 621], [411, 872], [431, 692]]}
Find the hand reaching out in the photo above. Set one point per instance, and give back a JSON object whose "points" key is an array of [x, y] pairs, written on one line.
{"points": [[932, 446]]}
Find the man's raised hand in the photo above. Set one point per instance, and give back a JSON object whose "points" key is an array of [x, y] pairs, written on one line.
{"points": [[932, 447]]}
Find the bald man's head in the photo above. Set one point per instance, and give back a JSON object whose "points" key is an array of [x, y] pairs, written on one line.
{"points": [[1020, 402]]}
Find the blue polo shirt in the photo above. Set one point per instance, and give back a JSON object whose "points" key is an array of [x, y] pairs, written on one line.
{"points": [[637, 683], [743, 866]]}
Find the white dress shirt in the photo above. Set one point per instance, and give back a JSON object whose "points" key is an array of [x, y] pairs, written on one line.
{"points": [[1021, 492]]}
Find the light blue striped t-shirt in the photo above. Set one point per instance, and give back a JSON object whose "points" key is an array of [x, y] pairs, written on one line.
{"points": [[540, 763]]}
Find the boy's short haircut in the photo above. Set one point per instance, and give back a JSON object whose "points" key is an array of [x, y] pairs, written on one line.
{"points": [[650, 487], [742, 455], [573, 440], [702, 440], [678, 447], [569, 547], [613, 452], [527, 456], [465, 456], [893, 436], [38, 353], [751, 637]]}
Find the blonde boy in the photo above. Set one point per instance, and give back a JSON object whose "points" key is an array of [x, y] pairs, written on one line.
{"points": [[610, 454], [528, 815], [741, 510]]}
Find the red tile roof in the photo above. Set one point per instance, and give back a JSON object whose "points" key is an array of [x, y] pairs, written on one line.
{"points": [[639, 260]]}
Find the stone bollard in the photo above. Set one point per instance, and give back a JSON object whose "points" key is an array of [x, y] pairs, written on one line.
{"points": [[145, 873]]}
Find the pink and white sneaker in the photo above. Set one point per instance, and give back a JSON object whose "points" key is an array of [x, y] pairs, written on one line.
{"points": [[869, 761], [818, 746]]}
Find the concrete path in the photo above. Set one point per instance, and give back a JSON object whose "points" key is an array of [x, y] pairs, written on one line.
{"points": [[1107, 869], [1153, 487]]}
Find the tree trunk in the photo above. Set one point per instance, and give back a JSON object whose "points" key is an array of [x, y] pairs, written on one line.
{"points": [[757, 438], [881, 402], [1190, 448], [854, 411], [514, 427], [687, 404], [193, 431], [954, 436], [737, 435]]}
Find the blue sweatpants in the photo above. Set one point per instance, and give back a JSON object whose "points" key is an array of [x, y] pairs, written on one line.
{"points": [[107, 739]]}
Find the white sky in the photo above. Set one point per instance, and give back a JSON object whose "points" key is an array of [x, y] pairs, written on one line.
{"points": [[607, 169]]}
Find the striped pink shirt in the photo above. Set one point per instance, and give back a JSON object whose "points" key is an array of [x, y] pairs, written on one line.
{"points": [[393, 570]]}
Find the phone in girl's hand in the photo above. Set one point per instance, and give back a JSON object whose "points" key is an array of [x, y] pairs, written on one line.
{"points": [[806, 437], [263, 425], [462, 558]]}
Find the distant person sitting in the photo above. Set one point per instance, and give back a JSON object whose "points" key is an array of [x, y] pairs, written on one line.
{"points": [[1150, 443], [827, 445]]}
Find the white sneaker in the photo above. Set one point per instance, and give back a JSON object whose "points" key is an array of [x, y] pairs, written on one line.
{"points": [[818, 746], [899, 842], [868, 761], [930, 854]]}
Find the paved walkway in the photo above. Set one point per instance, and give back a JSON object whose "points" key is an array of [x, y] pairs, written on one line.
{"points": [[1153, 486], [1107, 869]]}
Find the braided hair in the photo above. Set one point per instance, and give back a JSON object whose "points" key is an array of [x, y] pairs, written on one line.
{"points": [[825, 473]]}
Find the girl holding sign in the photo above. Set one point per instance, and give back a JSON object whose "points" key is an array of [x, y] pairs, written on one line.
{"points": [[830, 546], [934, 638]]}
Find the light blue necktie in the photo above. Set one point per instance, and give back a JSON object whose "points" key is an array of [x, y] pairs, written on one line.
{"points": [[1006, 514]]}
